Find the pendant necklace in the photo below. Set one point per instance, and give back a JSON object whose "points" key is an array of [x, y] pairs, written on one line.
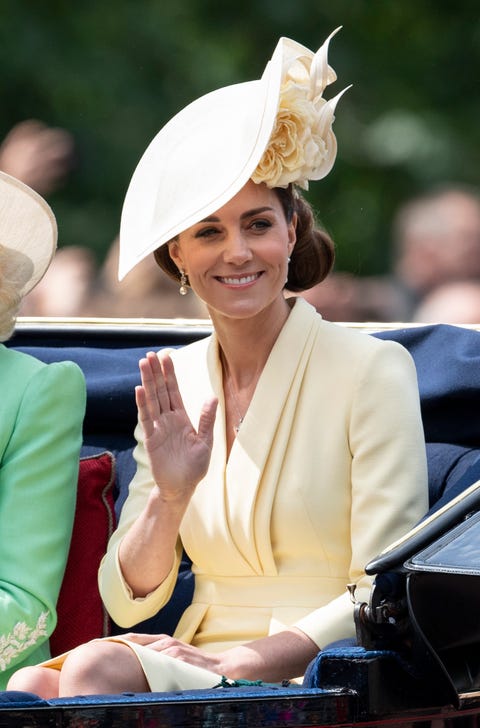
{"points": [[236, 428]]}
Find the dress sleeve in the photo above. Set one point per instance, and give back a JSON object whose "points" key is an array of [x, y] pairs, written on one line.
{"points": [[125, 609], [38, 479], [389, 482]]}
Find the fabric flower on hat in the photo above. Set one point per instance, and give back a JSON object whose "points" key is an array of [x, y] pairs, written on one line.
{"points": [[302, 146]]}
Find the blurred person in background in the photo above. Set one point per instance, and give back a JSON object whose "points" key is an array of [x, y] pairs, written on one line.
{"points": [[66, 287], [436, 258], [39, 155], [457, 302], [436, 240], [336, 298], [42, 157], [342, 296], [143, 293]]}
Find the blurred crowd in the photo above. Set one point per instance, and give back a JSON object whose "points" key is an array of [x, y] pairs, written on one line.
{"points": [[434, 276], [435, 270], [43, 157]]}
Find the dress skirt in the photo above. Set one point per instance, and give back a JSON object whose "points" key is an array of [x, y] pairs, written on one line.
{"points": [[162, 672]]}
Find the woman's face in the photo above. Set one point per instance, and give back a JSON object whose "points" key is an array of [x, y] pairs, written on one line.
{"points": [[236, 258]]}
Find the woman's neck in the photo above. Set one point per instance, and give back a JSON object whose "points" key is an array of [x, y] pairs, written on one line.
{"points": [[245, 344], [244, 347]]}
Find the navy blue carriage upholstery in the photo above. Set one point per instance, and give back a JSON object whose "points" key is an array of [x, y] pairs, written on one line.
{"points": [[447, 359]]}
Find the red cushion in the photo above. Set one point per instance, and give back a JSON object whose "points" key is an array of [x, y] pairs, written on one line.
{"points": [[81, 614]]}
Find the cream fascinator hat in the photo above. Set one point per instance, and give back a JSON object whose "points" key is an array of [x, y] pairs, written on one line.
{"points": [[27, 227], [276, 130]]}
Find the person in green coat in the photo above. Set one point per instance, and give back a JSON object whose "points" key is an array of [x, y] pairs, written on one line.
{"points": [[41, 414]]}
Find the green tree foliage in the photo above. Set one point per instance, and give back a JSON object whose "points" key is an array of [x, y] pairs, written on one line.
{"points": [[114, 72]]}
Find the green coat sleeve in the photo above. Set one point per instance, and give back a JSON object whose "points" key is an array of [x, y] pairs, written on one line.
{"points": [[38, 479]]}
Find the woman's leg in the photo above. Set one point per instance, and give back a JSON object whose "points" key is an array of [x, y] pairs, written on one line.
{"points": [[102, 667], [43, 681], [93, 668]]}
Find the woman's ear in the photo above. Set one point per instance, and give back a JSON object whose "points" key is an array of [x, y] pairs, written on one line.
{"points": [[292, 232], [174, 253]]}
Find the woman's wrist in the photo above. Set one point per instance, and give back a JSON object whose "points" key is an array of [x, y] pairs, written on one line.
{"points": [[174, 499], [282, 656]]}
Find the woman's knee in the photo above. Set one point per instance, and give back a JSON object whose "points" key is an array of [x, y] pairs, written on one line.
{"points": [[41, 681], [101, 667]]}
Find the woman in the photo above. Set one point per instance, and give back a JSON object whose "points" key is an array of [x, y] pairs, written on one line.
{"points": [[41, 415], [283, 452]]}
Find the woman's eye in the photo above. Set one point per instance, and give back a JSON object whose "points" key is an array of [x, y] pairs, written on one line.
{"points": [[206, 232], [260, 225]]}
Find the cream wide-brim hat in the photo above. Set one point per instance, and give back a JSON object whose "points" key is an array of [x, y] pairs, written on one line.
{"points": [[204, 156], [27, 226]]}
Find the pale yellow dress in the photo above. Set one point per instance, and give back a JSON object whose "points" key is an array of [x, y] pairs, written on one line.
{"points": [[328, 468]]}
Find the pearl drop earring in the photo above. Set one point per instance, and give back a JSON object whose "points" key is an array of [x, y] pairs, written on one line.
{"points": [[288, 261], [183, 290]]}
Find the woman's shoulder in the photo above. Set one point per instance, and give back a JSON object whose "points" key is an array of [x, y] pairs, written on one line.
{"points": [[360, 357], [356, 339], [23, 367], [341, 339], [345, 349], [191, 353]]}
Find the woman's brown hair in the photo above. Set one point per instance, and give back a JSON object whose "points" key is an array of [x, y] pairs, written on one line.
{"points": [[312, 257]]}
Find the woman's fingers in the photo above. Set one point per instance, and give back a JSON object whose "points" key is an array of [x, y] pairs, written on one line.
{"points": [[155, 383], [207, 421], [158, 394], [143, 412], [143, 639], [157, 642], [160, 382], [179, 455], [170, 379]]}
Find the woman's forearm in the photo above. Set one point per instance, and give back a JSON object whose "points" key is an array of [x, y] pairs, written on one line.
{"points": [[146, 552], [282, 656]]}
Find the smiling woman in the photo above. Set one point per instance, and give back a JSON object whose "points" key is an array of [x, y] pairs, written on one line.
{"points": [[236, 260], [283, 452]]}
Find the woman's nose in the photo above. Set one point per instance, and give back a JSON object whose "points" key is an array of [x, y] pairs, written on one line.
{"points": [[237, 249]]}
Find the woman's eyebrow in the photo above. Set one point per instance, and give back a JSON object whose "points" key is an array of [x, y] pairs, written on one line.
{"points": [[212, 218], [248, 213], [256, 211]]}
